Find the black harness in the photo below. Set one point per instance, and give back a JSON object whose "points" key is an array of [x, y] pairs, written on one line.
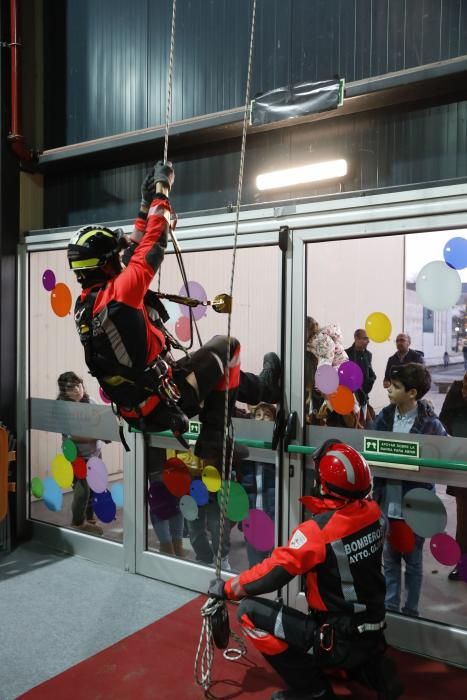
{"points": [[125, 386]]}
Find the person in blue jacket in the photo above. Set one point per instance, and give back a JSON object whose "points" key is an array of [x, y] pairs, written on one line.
{"points": [[407, 412]]}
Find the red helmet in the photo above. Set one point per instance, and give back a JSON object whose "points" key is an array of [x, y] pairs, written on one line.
{"points": [[342, 471]]}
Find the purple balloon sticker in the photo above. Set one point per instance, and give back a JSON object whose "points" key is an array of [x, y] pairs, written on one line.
{"points": [[97, 476], [258, 529], [462, 567], [162, 503], [326, 379], [104, 506], [445, 549], [196, 291], [350, 375], [48, 280]]}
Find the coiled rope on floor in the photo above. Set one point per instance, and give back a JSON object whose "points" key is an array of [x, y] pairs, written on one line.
{"points": [[205, 651]]}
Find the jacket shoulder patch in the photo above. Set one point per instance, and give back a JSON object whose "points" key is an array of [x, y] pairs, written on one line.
{"points": [[298, 540]]}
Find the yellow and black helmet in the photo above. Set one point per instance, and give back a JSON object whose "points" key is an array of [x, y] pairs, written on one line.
{"points": [[93, 246]]}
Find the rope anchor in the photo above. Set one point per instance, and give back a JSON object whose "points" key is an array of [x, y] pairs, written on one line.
{"points": [[222, 303]]}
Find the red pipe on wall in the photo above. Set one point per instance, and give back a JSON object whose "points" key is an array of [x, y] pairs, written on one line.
{"points": [[15, 137]]}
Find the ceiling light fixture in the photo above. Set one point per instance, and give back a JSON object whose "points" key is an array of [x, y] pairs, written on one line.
{"points": [[313, 172]]}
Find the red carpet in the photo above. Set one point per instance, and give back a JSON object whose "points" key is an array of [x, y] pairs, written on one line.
{"points": [[157, 663]]}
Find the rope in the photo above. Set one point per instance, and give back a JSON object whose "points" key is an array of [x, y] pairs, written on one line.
{"points": [[226, 491], [170, 79], [168, 112], [206, 656]]}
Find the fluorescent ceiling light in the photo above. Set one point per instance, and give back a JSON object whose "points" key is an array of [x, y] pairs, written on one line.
{"points": [[298, 176]]}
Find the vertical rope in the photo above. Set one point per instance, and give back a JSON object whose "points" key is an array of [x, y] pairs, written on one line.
{"points": [[227, 423], [168, 108], [204, 654], [169, 80]]}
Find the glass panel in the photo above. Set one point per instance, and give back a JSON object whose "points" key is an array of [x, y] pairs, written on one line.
{"points": [[426, 576], [363, 284], [64, 490], [173, 526]]}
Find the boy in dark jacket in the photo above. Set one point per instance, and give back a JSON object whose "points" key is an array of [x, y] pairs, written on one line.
{"points": [[406, 413]]}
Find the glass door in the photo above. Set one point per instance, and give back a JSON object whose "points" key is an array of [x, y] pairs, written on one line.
{"points": [[72, 453], [177, 495], [387, 288]]}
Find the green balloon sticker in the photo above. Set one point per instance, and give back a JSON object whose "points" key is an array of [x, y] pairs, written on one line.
{"points": [[37, 487], [69, 450], [238, 504]]}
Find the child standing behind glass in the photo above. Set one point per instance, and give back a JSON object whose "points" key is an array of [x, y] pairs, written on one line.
{"points": [[71, 388], [406, 413]]}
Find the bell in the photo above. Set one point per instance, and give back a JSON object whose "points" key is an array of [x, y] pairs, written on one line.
{"points": [[222, 303]]}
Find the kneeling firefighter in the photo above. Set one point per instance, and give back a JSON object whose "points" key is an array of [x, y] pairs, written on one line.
{"points": [[339, 551], [120, 323]]}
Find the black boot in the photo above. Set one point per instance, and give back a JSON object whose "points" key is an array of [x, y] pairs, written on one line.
{"points": [[270, 378], [380, 674]]}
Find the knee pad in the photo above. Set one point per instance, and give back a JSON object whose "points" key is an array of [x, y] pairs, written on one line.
{"points": [[218, 346]]}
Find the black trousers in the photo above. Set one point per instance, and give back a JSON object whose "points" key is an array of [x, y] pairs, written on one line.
{"points": [[208, 365], [294, 648]]}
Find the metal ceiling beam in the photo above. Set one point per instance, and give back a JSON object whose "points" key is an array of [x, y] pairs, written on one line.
{"points": [[433, 83]]}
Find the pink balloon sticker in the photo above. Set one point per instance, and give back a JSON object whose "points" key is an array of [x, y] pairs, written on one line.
{"points": [[97, 476], [182, 329], [103, 395], [445, 549], [258, 529], [326, 379]]}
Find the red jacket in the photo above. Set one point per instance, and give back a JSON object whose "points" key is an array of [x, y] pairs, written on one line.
{"points": [[338, 550], [122, 331]]}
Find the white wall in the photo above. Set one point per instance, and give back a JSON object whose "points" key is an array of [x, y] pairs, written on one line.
{"points": [[349, 279]]}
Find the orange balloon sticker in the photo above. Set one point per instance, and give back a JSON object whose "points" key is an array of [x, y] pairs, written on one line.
{"points": [[60, 299], [342, 400]]}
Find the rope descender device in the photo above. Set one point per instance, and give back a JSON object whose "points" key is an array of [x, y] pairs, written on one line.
{"points": [[222, 303]]}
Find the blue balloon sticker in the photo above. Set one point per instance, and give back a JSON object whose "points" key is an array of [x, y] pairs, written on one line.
{"points": [[104, 506], [53, 496], [199, 492], [117, 494], [455, 253]]}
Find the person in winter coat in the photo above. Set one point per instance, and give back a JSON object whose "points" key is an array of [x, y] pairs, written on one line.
{"points": [[359, 353], [406, 413]]}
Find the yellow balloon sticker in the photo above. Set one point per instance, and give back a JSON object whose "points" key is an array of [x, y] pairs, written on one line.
{"points": [[378, 326], [62, 471], [211, 479]]}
